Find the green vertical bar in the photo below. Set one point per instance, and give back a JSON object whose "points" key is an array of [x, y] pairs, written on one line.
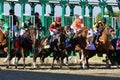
{"points": [[102, 11], [90, 16], [63, 14], [32, 8], [71, 10], [12, 5], [52, 9], [1, 8], [22, 13], [83, 10], [43, 18]]}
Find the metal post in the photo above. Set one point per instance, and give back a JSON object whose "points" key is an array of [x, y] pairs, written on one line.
{"points": [[12, 4], [32, 8], [1, 8], [63, 14], [83, 10], [90, 16], [71, 10], [102, 6], [102, 11], [10, 36], [43, 17], [22, 14], [52, 6]]}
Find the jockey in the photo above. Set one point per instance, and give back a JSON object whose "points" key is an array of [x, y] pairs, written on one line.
{"points": [[38, 24], [14, 27], [55, 26], [15, 22], [27, 23], [77, 23], [98, 28], [100, 25]]}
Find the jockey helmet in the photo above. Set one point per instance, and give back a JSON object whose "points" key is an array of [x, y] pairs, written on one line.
{"points": [[80, 17], [36, 14], [58, 19], [104, 20], [11, 11]]}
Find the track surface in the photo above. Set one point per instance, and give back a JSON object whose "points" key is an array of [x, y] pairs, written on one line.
{"points": [[97, 71]]}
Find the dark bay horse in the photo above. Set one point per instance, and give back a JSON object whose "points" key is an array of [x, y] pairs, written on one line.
{"points": [[56, 44], [24, 44]]}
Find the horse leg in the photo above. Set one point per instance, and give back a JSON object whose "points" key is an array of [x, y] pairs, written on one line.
{"points": [[52, 64], [107, 60], [87, 62], [67, 60], [82, 59], [61, 62], [88, 56], [7, 60], [17, 62], [23, 56], [17, 57], [77, 57], [34, 60]]}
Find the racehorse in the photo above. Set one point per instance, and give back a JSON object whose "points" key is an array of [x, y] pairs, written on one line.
{"points": [[103, 45], [54, 44], [24, 44], [78, 44], [3, 42]]}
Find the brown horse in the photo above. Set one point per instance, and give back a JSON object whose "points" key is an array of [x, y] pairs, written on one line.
{"points": [[81, 43], [103, 45], [3, 42], [77, 42]]}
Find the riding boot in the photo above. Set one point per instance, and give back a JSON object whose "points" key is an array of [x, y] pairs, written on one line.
{"points": [[95, 38]]}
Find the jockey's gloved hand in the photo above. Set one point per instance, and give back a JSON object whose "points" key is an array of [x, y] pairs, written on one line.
{"points": [[16, 34]]}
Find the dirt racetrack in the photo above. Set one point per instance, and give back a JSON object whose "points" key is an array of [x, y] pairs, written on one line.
{"points": [[97, 71]]}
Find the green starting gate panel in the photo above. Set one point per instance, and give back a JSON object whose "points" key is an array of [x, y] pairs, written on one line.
{"points": [[35, 1], [11, 0]]}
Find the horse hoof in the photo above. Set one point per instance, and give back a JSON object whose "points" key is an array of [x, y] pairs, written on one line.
{"points": [[108, 66], [7, 67], [60, 67], [51, 67], [15, 67]]}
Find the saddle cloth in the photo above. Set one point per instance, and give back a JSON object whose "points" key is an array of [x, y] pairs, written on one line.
{"points": [[91, 46], [118, 44]]}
